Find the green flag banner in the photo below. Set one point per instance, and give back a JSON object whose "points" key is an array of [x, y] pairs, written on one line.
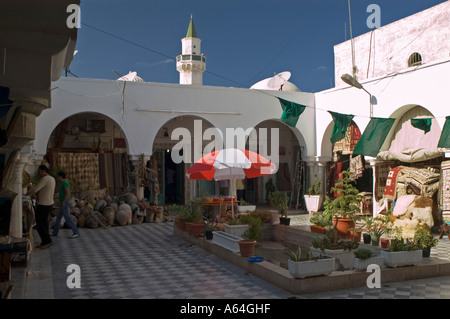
{"points": [[291, 112], [422, 124], [444, 140], [373, 137], [341, 122]]}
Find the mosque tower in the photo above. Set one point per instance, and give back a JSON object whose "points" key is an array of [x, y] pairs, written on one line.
{"points": [[191, 63]]}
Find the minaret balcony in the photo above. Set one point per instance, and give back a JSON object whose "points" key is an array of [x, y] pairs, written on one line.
{"points": [[191, 57]]}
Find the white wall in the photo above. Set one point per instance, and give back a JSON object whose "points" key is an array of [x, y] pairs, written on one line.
{"points": [[147, 107], [387, 49]]}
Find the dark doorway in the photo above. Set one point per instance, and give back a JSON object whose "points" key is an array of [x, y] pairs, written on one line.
{"points": [[174, 174]]}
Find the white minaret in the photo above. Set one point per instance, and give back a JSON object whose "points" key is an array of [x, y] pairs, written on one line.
{"points": [[191, 63]]}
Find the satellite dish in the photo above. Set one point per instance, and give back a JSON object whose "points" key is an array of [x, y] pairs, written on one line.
{"points": [[128, 77], [277, 81]]}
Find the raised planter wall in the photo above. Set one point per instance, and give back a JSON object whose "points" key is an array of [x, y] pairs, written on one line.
{"points": [[434, 267], [362, 264]]}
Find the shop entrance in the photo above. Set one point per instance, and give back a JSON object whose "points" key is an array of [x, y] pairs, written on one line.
{"points": [[174, 181]]}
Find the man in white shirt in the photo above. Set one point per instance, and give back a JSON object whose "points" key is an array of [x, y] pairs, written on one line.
{"points": [[45, 189]]}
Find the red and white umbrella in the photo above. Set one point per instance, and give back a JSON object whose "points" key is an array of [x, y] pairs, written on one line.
{"points": [[231, 164]]}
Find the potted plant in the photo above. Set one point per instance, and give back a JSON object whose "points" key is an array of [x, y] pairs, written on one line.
{"points": [[320, 223], [330, 245], [181, 217], [313, 198], [250, 236], [245, 207], [236, 226], [364, 257], [302, 267], [194, 220], [345, 206], [376, 227], [210, 227], [424, 239], [355, 234], [280, 200], [401, 251]]}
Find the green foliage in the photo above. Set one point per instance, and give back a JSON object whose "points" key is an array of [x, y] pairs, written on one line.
{"points": [[321, 220], [280, 200], [423, 237], [363, 253], [400, 244], [195, 211], [263, 214], [210, 225], [331, 241], [254, 231], [315, 189], [295, 255], [345, 205], [270, 188]]}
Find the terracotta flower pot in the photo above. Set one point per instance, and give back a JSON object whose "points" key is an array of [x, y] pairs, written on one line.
{"points": [[317, 229], [384, 242], [343, 226], [355, 235], [181, 223], [195, 229], [247, 247]]}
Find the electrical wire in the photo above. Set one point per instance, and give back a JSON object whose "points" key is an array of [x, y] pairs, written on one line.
{"points": [[421, 33]]}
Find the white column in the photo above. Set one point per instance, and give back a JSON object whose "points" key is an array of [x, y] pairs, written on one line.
{"points": [[311, 172], [138, 170], [322, 173], [16, 186]]}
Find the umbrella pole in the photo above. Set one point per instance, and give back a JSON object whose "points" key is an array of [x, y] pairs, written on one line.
{"points": [[232, 192]]}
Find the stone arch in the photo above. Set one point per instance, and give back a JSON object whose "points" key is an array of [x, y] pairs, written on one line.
{"points": [[407, 143], [92, 149], [290, 141], [171, 161]]}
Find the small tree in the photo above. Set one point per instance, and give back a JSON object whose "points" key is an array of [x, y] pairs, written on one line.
{"points": [[346, 204]]}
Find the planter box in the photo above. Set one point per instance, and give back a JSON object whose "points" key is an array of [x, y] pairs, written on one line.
{"points": [[226, 241], [343, 258], [236, 230], [309, 268], [246, 208], [313, 202], [362, 264], [401, 258]]}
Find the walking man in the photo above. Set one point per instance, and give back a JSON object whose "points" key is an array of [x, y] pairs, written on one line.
{"points": [[64, 210], [44, 189]]}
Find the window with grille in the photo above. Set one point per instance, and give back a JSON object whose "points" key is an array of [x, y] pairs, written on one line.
{"points": [[414, 59]]}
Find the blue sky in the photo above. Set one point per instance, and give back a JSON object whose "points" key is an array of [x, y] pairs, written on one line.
{"points": [[244, 41]]}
